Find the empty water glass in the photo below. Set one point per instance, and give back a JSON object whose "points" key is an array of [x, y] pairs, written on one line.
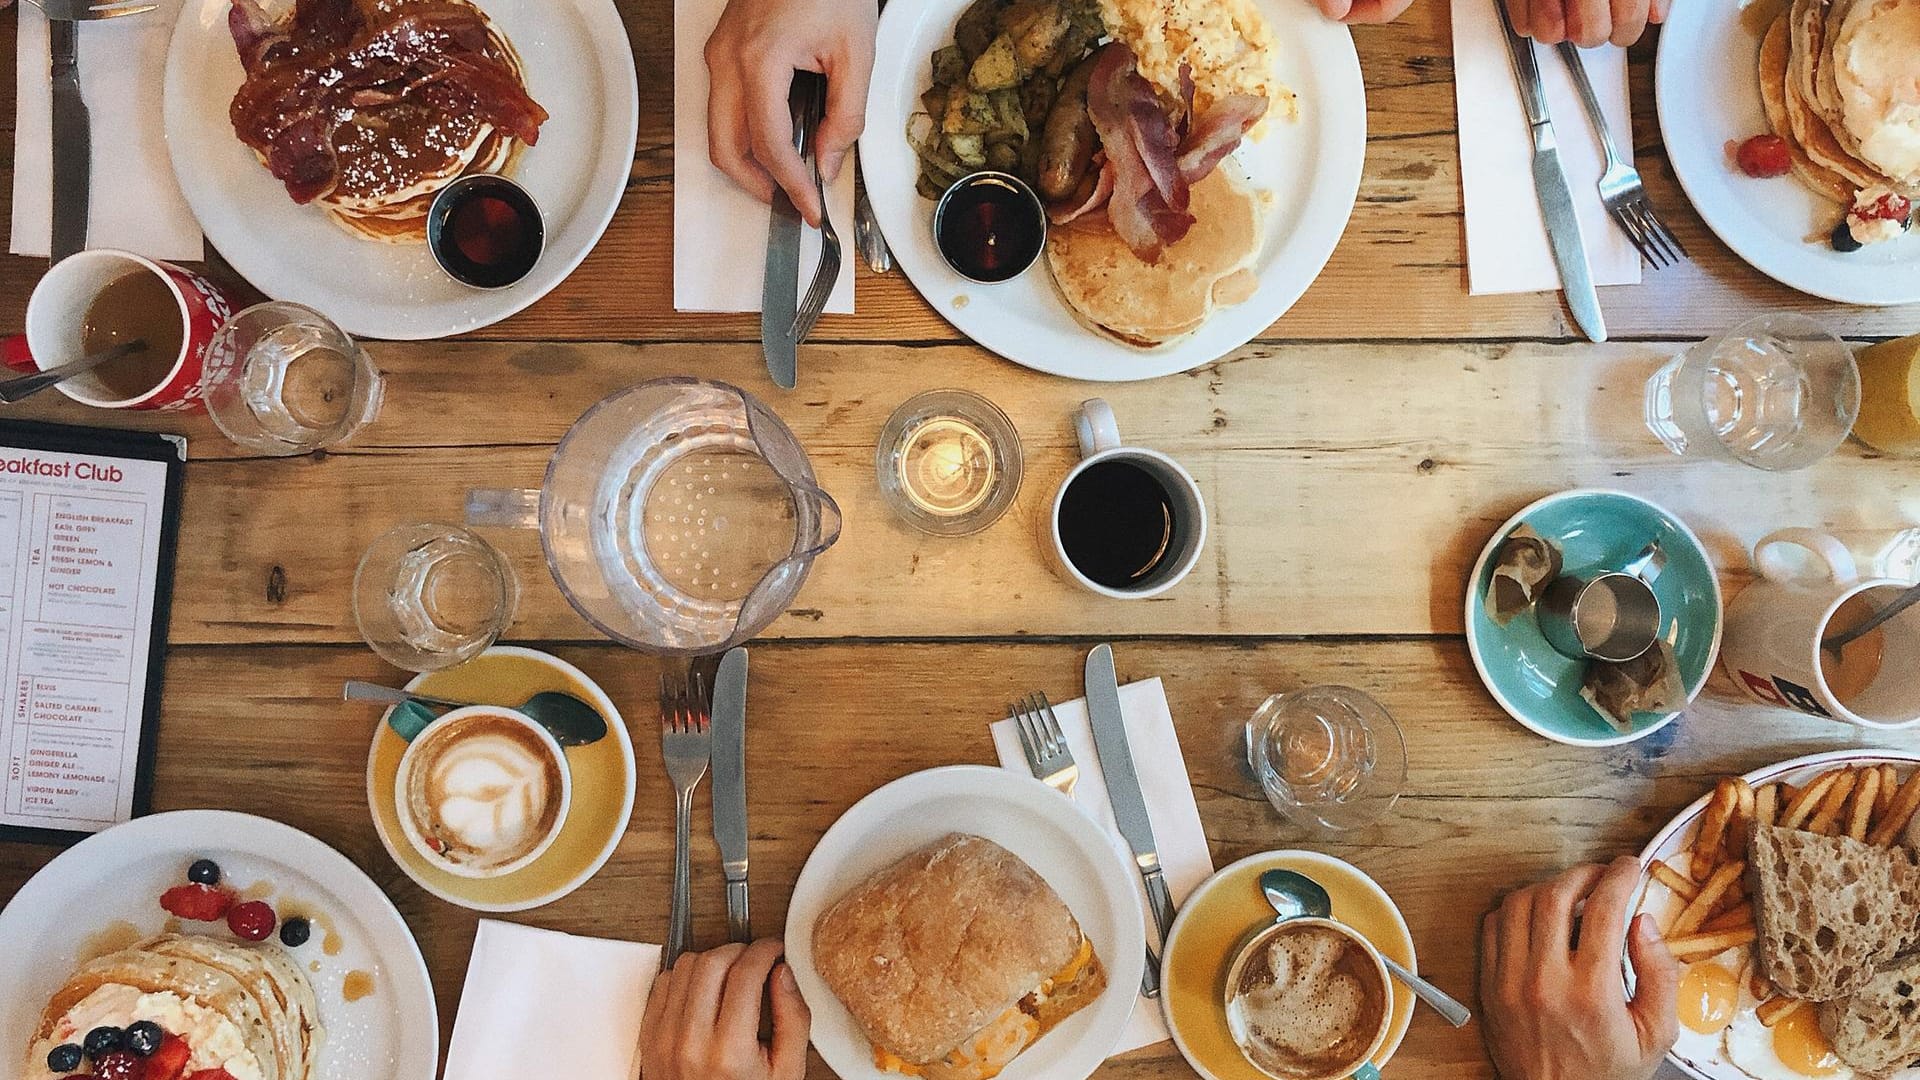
{"points": [[1329, 758], [431, 596], [1777, 392], [282, 379]]}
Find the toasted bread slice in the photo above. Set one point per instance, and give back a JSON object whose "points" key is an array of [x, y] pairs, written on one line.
{"points": [[1832, 911], [1876, 1030]]}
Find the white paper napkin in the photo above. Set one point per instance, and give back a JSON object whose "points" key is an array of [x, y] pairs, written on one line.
{"points": [[719, 231], [136, 203], [541, 1003], [1507, 248], [1182, 841]]}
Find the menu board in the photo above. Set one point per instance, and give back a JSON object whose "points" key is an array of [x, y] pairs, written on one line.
{"points": [[88, 521]]}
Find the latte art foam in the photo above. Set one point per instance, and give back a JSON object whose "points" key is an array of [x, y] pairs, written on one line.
{"points": [[1309, 1005], [484, 791]]}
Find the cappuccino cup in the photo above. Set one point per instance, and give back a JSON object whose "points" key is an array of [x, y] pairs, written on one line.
{"points": [[1309, 999], [483, 791]]}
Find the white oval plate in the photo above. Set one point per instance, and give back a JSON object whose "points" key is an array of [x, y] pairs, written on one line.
{"points": [[1708, 92], [1704, 1056], [1310, 166], [117, 876], [579, 66], [1032, 821]]}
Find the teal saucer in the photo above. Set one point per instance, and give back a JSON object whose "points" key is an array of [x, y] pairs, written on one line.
{"points": [[1595, 529]]}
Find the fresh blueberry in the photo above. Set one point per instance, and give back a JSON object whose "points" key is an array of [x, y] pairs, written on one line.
{"points": [[1843, 240], [104, 1040], [204, 872], [295, 932], [143, 1037], [64, 1058]]}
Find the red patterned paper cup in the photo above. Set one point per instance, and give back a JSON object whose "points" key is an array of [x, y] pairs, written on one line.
{"points": [[58, 308]]}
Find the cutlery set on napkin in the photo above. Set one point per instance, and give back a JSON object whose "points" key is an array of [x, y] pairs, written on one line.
{"points": [[1595, 225]]}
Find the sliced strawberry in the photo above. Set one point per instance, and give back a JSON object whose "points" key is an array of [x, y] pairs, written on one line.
{"points": [[198, 903], [118, 1065], [170, 1061], [1765, 156]]}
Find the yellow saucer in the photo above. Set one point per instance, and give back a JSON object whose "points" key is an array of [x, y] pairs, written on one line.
{"points": [[603, 783], [1221, 912]]}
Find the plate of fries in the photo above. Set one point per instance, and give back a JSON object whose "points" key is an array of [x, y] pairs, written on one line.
{"points": [[1694, 880]]}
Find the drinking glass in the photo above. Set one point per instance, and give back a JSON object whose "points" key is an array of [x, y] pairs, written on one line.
{"points": [[949, 462], [282, 379], [1778, 392], [1329, 758], [430, 596]]}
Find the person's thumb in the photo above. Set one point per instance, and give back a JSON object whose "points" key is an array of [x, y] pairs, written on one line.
{"points": [[1334, 9], [1656, 986], [791, 1023]]}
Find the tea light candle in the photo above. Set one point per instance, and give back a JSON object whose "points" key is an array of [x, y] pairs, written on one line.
{"points": [[949, 462]]}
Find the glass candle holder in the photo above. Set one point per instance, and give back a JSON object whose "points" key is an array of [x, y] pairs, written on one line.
{"points": [[949, 462]]}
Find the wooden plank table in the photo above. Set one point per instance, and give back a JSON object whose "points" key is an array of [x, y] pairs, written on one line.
{"points": [[1355, 458]]}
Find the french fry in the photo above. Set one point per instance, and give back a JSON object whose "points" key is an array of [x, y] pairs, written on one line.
{"points": [[1866, 795], [1897, 816], [1709, 841], [1889, 787], [1700, 946], [1740, 826], [1760, 986], [1826, 822], [1806, 801], [1766, 805], [1677, 883], [1788, 793], [1732, 898], [1773, 1010], [1734, 918], [1700, 907]]}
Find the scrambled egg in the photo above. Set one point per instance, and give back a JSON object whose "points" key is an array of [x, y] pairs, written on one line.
{"points": [[1227, 43]]}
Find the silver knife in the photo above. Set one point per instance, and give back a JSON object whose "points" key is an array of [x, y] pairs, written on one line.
{"points": [[780, 282], [1123, 791], [72, 143], [1550, 182], [730, 786]]}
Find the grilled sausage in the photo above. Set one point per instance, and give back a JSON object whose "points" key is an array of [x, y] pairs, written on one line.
{"points": [[1068, 140]]}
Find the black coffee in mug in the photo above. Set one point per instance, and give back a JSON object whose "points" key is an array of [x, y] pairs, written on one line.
{"points": [[1119, 524]]}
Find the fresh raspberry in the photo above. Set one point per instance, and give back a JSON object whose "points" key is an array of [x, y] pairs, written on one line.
{"points": [[168, 1062], [198, 903], [1765, 156], [252, 921], [118, 1065]]}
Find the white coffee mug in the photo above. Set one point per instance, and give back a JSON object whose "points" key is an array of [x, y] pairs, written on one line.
{"points": [[410, 761], [1100, 442], [1775, 626]]}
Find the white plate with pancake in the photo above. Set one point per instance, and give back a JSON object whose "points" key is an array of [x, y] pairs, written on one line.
{"points": [[577, 63], [1707, 86], [1309, 167], [1704, 1055], [1032, 821], [104, 893]]}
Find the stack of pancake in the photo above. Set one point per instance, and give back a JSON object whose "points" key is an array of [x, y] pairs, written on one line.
{"points": [[247, 1009], [1841, 84], [368, 108]]}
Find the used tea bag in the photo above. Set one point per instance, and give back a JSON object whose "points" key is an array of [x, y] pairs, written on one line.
{"points": [[1649, 683], [1526, 564]]}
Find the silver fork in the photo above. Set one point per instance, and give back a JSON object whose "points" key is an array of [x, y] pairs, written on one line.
{"points": [[686, 745], [828, 271], [1051, 762], [1621, 191], [1044, 744], [88, 11]]}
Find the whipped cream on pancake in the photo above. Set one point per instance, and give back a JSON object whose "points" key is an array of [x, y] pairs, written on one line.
{"points": [[1877, 73], [216, 1041]]}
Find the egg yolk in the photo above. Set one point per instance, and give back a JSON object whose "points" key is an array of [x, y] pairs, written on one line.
{"points": [[1709, 995], [1801, 1046]]}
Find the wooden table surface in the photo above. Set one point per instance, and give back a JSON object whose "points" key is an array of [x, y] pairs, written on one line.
{"points": [[1355, 459]]}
